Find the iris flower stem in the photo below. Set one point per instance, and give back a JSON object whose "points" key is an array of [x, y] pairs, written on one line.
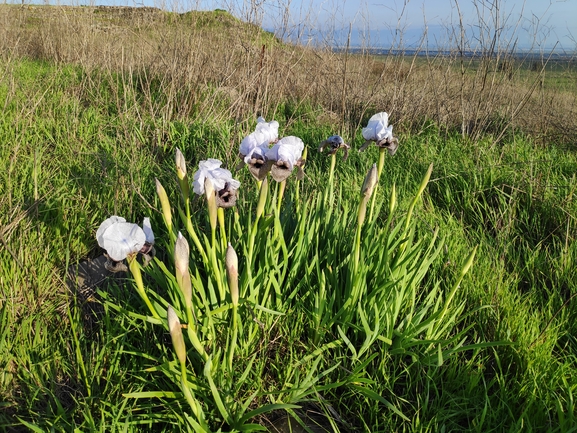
{"points": [[215, 267], [234, 337], [332, 171], [281, 188], [357, 249], [297, 197], [187, 394], [263, 186], [299, 178], [250, 254], [166, 211], [223, 240], [382, 152], [192, 233], [361, 218], [252, 238], [192, 335], [137, 275], [331, 177], [368, 189]]}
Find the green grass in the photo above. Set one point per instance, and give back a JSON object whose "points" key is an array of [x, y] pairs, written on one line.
{"points": [[73, 154]]}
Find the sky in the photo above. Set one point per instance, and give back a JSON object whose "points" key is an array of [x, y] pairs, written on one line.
{"points": [[529, 24]]}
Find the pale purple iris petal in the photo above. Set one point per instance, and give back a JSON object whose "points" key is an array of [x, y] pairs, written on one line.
{"points": [[378, 128], [253, 145], [147, 228], [250, 142], [269, 130], [210, 164], [256, 144], [264, 134], [121, 239], [287, 149], [105, 225], [218, 176], [204, 170], [258, 152]]}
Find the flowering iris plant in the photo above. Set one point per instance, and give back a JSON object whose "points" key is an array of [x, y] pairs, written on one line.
{"points": [[225, 187], [285, 154], [379, 131], [226, 304], [254, 146], [121, 239]]}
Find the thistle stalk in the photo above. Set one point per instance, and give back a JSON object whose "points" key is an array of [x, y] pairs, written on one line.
{"points": [[137, 275]]}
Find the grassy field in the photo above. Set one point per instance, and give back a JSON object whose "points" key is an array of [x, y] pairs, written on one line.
{"points": [[342, 325]]}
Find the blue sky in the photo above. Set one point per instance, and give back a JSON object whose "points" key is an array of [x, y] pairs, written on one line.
{"points": [[535, 24]]}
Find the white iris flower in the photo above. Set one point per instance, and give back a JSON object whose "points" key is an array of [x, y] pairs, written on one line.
{"points": [[378, 128], [379, 131], [285, 155], [287, 150], [120, 238], [253, 146], [256, 144], [269, 130], [219, 177]]}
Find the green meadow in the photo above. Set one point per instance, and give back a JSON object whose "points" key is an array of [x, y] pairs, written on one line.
{"points": [[441, 299]]}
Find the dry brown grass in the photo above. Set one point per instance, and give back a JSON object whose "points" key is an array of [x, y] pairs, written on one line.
{"points": [[211, 65]]}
